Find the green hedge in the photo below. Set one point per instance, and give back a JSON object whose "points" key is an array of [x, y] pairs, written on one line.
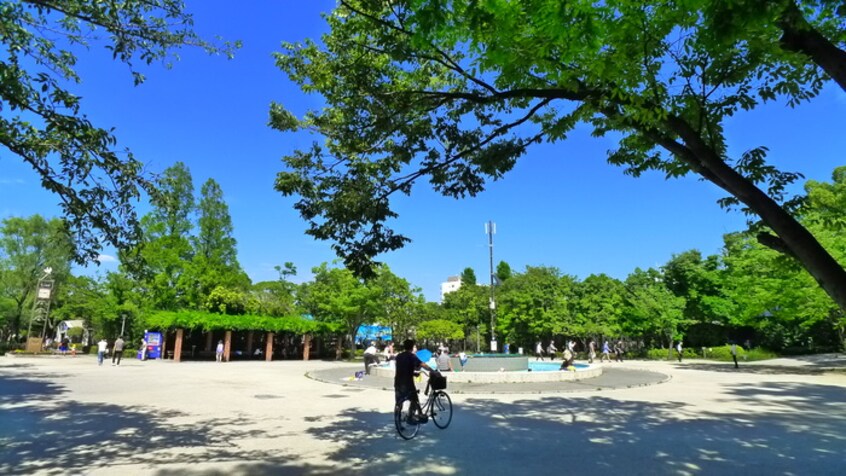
{"points": [[722, 353], [211, 321]]}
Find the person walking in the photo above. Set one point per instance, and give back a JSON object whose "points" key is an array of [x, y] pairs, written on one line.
{"points": [[102, 347], [606, 352], [218, 352], [591, 351], [551, 350], [143, 349], [619, 351], [733, 350], [679, 350], [539, 351], [117, 351], [371, 357]]}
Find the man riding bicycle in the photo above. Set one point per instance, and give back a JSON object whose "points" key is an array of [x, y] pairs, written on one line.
{"points": [[407, 363]]}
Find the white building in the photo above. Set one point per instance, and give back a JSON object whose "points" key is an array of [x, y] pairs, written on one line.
{"points": [[452, 284]]}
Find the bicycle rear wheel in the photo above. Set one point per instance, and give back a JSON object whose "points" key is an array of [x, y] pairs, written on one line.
{"points": [[405, 420], [441, 409]]}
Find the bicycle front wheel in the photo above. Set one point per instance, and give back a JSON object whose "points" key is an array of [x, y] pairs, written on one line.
{"points": [[405, 420], [441, 409]]}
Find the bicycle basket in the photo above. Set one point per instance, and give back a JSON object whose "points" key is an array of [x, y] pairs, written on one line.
{"points": [[437, 381]]}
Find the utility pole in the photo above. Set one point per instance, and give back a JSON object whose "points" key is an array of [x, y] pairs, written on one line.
{"points": [[490, 229]]}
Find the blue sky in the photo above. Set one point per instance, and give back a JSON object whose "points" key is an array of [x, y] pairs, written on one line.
{"points": [[561, 206]]}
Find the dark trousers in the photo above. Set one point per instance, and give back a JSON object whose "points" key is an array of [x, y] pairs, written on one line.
{"points": [[369, 360], [734, 357], [117, 355]]}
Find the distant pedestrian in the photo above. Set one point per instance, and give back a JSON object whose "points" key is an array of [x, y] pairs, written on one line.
{"points": [[117, 351], [606, 352], [218, 353], [539, 351], [444, 361], [102, 348], [143, 349], [733, 350], [619, 351], [567, 359], [679, 350], [462, 359], [551, 349], [371, 357], [591, 351]]}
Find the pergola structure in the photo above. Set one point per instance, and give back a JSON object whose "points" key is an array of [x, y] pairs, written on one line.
{"points": [[180, 321]]}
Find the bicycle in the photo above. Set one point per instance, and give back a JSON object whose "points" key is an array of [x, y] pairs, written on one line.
{"points": [[438, 408]]}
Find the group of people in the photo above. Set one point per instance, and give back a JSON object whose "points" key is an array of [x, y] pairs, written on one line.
{"points": [[117, 350], [569, 354], [372, 355]]}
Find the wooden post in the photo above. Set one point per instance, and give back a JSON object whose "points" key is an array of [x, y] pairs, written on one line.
{"points": [[250, 344], [177, 348], [306, 346], [227, 346], [209, 339], [163, 355], [268, 350]]}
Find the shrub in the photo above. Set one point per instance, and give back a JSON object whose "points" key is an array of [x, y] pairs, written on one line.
{"points": [[661, 354], [723, 354]]}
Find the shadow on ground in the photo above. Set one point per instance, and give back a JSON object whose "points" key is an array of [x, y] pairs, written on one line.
{"points": [[762, 369], [801, 430], [795, 429], [42, 431]]}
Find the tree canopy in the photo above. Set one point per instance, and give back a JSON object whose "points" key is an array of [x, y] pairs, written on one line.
{"points": [[44, 123], [456, 92]]}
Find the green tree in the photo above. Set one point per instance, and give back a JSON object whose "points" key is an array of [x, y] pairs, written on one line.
{"points": [[337, 297], [455, 92], [27, 247], [535, 304], [166, 249], [440, 330], [226, 301], [215, 260], [699, 282], [44, 122], [468, 306], [468, 277], [599, 306], [403, 306], [772, 293], [652, 308], [275, 298], [503, 271]]}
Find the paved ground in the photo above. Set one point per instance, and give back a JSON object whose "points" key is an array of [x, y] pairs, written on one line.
{"points": [[69, 416]]}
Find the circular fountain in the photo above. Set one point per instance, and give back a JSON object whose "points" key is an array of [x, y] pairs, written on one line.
{"points": [[505, 368]]}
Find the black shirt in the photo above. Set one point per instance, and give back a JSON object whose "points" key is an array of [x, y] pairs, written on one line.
{"points": [[406, 364]]}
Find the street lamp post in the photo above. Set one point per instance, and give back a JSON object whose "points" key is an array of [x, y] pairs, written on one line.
{"points": [[490, 229]]}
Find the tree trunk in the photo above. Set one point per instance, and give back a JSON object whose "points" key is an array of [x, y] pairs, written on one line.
{"points": [[800, 36], [793, 238]]}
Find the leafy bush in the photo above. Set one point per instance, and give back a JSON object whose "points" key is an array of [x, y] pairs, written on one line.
{"points": [[721, 353], [661, 354]]}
